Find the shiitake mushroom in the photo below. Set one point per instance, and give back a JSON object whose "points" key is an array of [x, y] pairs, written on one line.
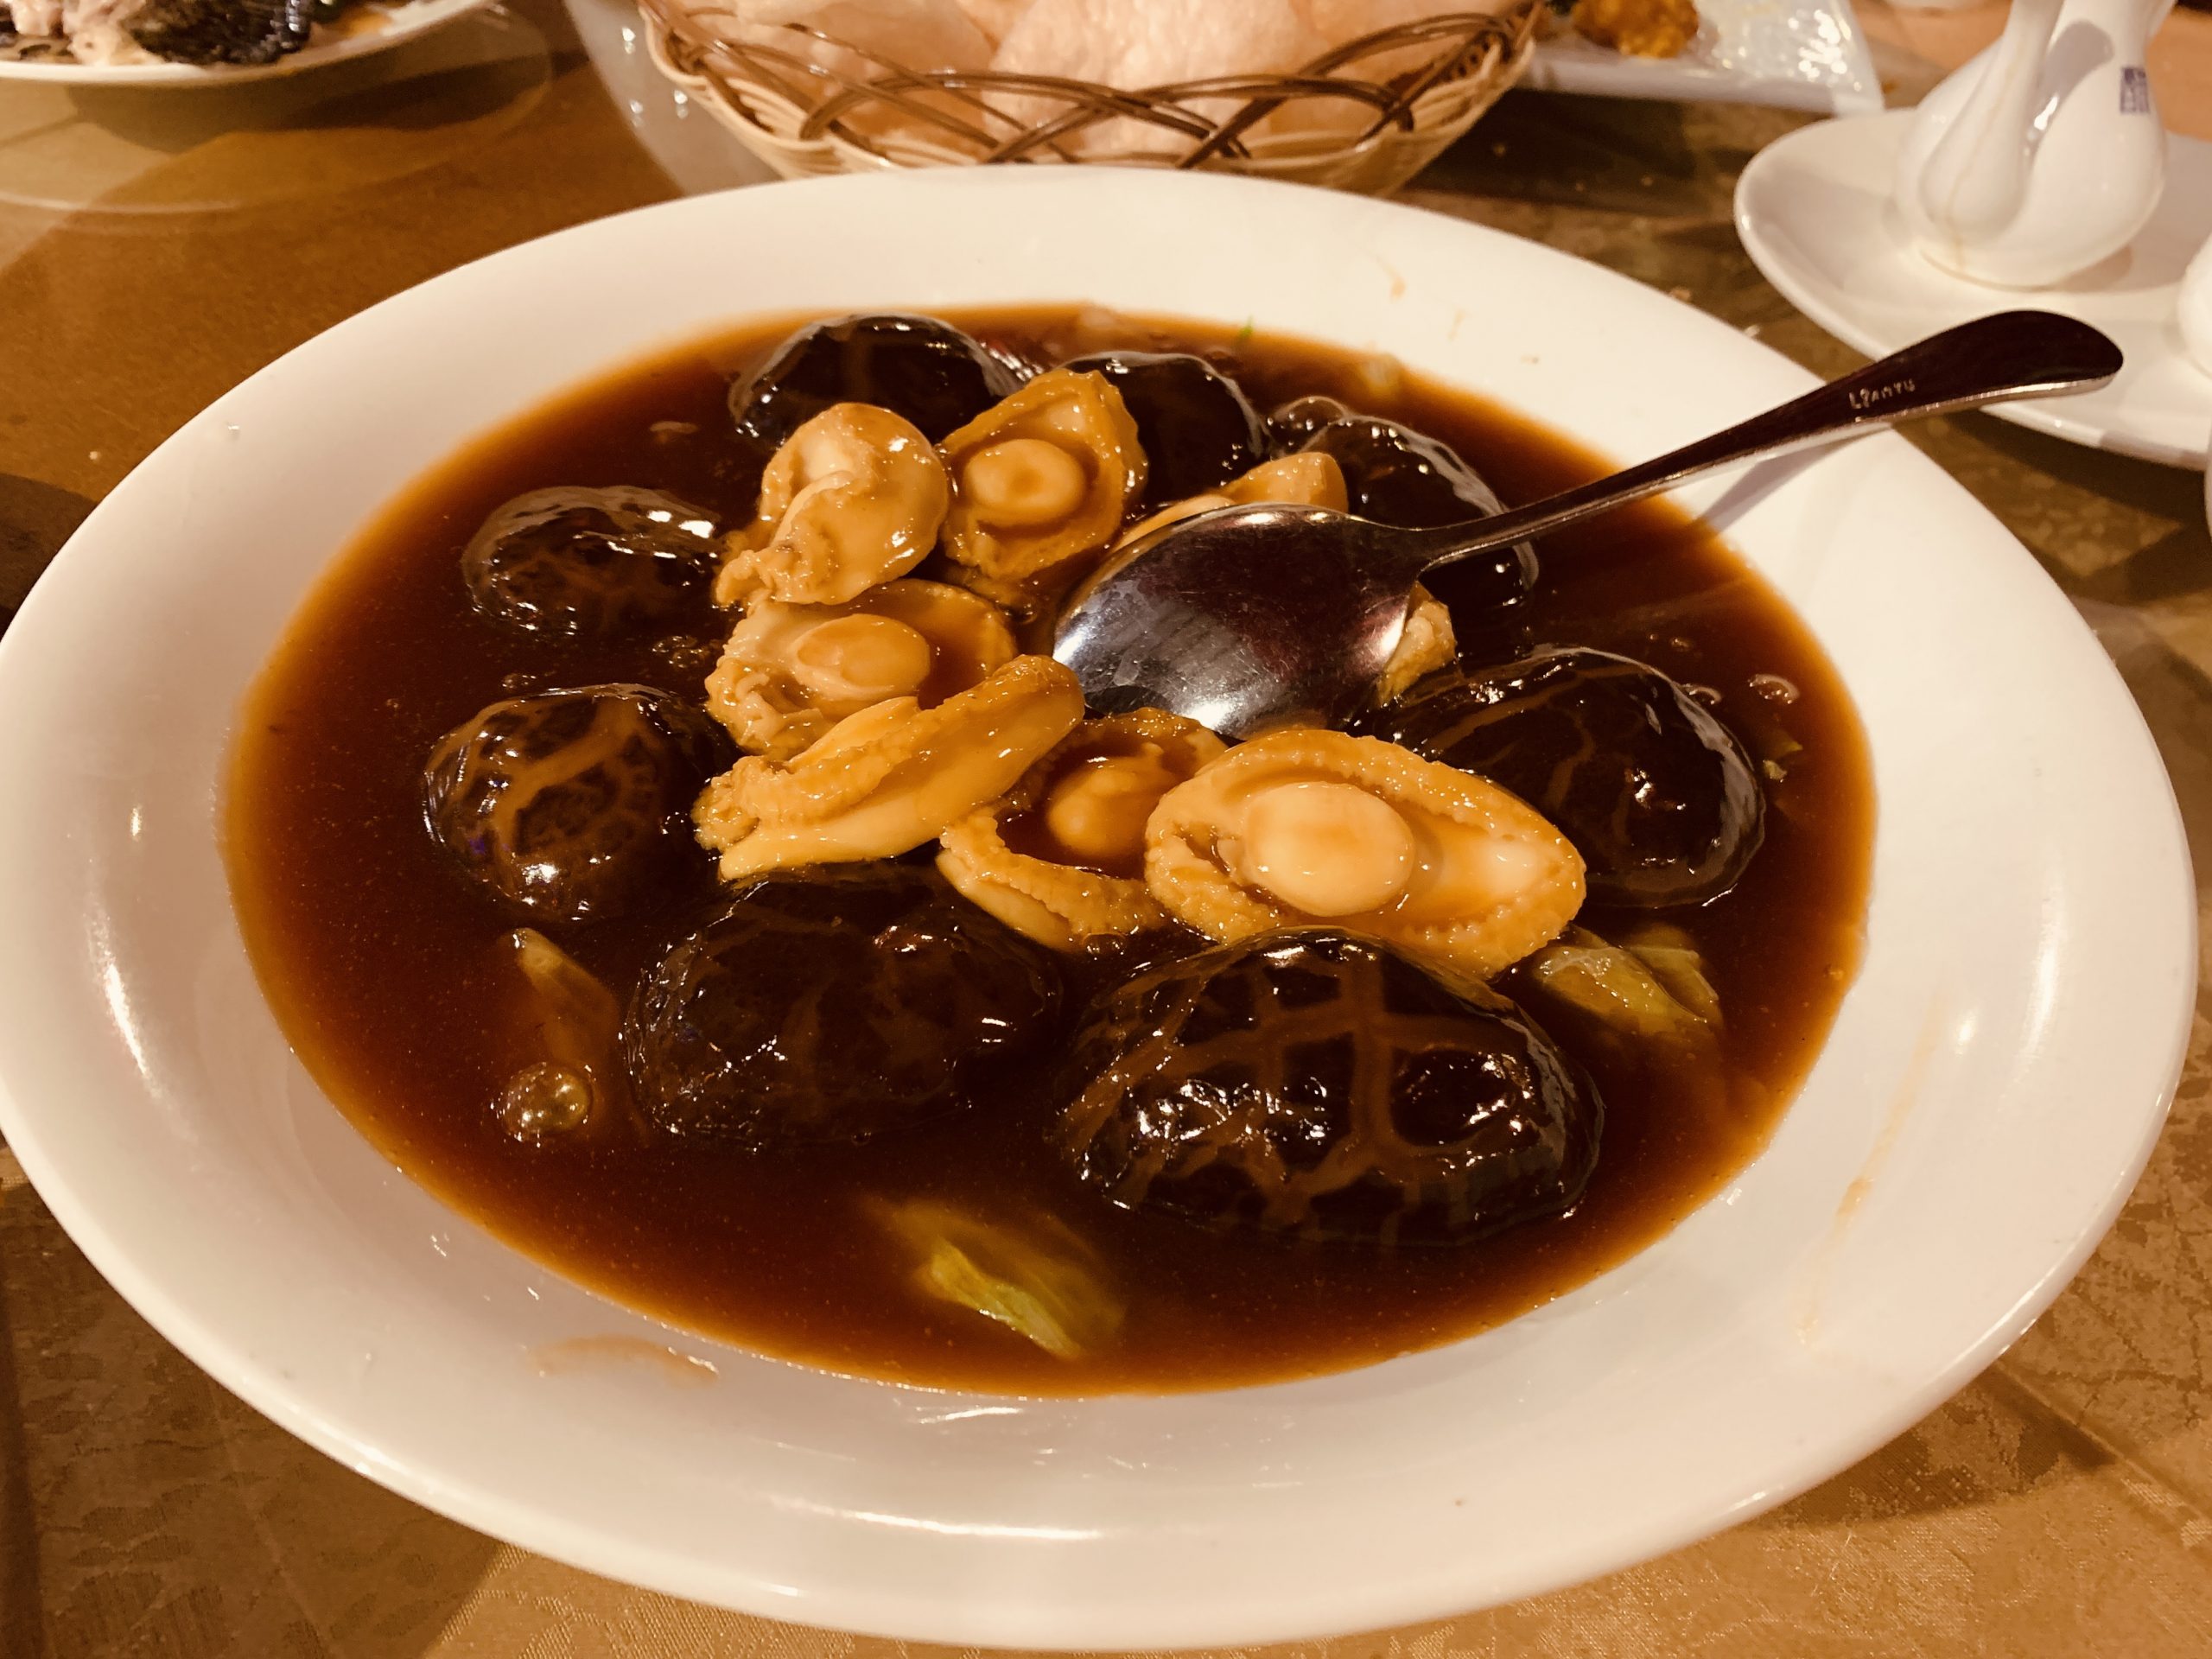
{"points": [[1396, 475], [1289, 425], [1658, 796], [1196, 426], [918, 367], [1314, 1082], [574, 563], [833, 1005], [572, 804]]}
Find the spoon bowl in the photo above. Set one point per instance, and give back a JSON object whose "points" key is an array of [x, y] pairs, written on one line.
{"points": [[1217, 626]]}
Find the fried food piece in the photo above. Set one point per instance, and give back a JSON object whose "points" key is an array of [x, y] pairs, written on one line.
{"points": [[1640, 29]]}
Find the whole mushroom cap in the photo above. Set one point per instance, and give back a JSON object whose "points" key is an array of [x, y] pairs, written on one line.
{"points": [[570, 804], [1316, 1083]]}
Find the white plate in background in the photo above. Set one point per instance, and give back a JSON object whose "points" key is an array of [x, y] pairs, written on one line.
{"points": [[1801, 54], [385, 25], [1994, 1080]]}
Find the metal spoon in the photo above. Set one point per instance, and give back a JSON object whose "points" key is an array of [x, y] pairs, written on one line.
{"points": [[1247, 618]]}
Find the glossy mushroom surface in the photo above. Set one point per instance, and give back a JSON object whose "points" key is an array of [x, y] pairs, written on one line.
{"points": [[833, 1005], [926, 371], [1196, 426], [572, 803], [1656, 794], [1396, 475], [582, 563], [1316, 1083]]}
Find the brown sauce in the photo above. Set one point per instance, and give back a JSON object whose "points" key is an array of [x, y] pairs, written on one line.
{"points": [[388, 970]]}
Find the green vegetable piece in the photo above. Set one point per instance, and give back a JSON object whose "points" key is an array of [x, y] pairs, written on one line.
{"points": [[1625, 990], [1676, 962], [1051, 1292], [568, 1022]]}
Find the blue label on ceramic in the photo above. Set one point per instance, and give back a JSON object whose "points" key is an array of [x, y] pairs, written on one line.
{"points": [[2135, 89]]}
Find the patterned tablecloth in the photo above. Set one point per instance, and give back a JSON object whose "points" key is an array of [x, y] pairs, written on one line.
{"points": [[155, 249]]}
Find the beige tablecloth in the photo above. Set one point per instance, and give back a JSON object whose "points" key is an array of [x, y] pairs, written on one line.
{"points": [[154, 251]]}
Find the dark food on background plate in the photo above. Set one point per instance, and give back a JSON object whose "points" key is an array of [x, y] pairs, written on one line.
{"points": [[212, 31], [1638, 28], [861, 997]]}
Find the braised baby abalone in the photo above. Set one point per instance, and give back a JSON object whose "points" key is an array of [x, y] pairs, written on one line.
{"points": [[1299, 480], [1304, 826], [1060, 857], [790, 672], [854, 498], [883, 781], [1041, 481], [1428, 644]]}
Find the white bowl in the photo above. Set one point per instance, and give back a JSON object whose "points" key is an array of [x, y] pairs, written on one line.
{"points": [[1992, 1087]]}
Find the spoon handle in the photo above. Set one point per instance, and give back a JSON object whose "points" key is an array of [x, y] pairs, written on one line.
{"points": [[2013, 354]]}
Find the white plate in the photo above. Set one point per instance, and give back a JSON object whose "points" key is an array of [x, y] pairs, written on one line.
{"points": [[1993, 1083], [1801, 54], [403, 20], [1813, 212]]}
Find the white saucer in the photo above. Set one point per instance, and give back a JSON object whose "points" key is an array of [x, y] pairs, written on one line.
{"points": [[1813, 212]]}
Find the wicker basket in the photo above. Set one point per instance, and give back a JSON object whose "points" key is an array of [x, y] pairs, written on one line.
{"points": [[808, 105]]}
